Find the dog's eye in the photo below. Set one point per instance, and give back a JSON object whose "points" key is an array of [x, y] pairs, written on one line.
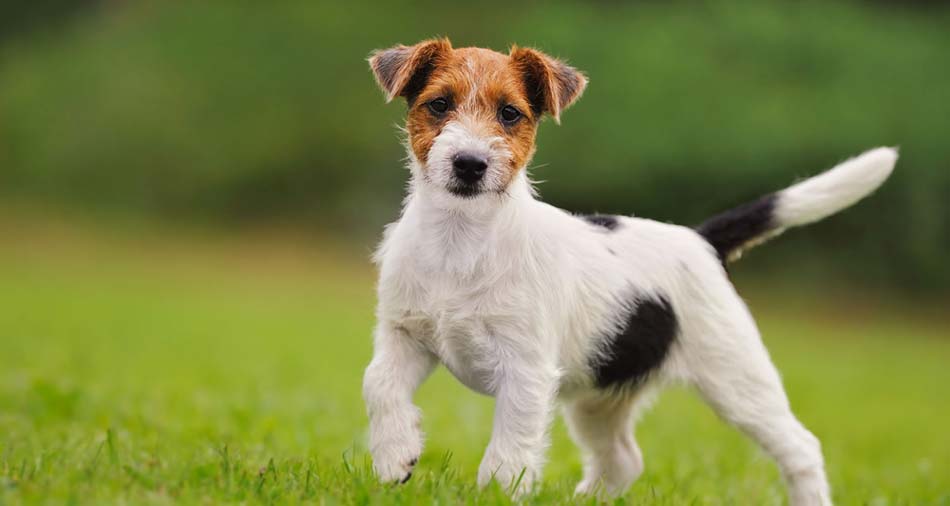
{"points": [[438, 106], [509, 115]]}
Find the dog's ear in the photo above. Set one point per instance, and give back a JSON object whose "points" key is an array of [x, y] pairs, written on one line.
{"points": [[404, 70], [551, 84]]}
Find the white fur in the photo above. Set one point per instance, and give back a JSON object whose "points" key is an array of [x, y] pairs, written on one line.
{"points": [[842, 186], [514, 297]]}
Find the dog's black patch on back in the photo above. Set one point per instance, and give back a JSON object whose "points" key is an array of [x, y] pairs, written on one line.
{"points": [[730, 230], [641, 344], [606, 221]]}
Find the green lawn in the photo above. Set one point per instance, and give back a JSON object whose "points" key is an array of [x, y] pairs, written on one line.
{"points": [[188, 367]]}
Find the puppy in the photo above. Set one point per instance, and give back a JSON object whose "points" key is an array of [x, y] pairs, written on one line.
{"points": [[537, 307]]}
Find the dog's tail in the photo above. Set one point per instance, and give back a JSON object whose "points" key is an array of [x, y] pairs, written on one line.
{"points": [[739, 229]]}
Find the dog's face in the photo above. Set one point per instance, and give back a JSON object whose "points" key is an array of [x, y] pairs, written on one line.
{"points": [[473, 113]]}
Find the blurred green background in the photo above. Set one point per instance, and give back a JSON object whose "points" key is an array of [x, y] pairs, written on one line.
{"points": [[189, 193], [235, 112]]}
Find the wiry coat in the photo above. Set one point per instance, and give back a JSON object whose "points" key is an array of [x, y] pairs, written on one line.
{"points": [[533, 305]]}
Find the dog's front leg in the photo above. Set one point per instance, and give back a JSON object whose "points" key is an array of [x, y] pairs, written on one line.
{"points": [[399, 366], [523, 407]]}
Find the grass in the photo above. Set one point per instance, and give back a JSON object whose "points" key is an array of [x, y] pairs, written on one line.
{"points": [[185, 367]]}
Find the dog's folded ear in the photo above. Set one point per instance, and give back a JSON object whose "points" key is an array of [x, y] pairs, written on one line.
{"points": [[404, 70], [551, 84]]}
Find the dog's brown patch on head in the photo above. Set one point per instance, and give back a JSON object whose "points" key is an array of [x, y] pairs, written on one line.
{"points": [[477, 85]]}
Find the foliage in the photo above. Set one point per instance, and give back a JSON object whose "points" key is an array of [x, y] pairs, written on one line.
{"points": [[235, 111]]}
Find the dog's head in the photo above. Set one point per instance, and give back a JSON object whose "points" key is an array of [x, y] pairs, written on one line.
{"points": [[473, 113]]}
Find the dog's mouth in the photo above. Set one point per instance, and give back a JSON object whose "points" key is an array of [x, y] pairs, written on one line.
{"points": [[465, 190]]}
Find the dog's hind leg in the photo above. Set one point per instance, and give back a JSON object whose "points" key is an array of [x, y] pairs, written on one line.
{"points": [[732, 370], [602, 426]]}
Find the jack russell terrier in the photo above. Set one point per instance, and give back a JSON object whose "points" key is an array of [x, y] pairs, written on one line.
{"points": [[539, 307]]}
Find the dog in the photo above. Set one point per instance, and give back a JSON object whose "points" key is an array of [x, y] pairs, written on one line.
{"points": [[539, 307]]}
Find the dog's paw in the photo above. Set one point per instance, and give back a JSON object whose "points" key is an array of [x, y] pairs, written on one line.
{"points": [[395, 448], [514, 473], [393, 461], [395, 443], [394, 470], [589, 486]]}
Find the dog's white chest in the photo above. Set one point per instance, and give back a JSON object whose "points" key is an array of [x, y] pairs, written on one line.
{"points": [[464, 343], [460, 324], [470, 296]]}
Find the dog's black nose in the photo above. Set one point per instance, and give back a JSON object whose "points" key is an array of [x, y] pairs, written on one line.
{"points": [[469, 168]]}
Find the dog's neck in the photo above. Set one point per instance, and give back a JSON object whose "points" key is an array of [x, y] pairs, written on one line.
{"points": [[460, 235]]}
